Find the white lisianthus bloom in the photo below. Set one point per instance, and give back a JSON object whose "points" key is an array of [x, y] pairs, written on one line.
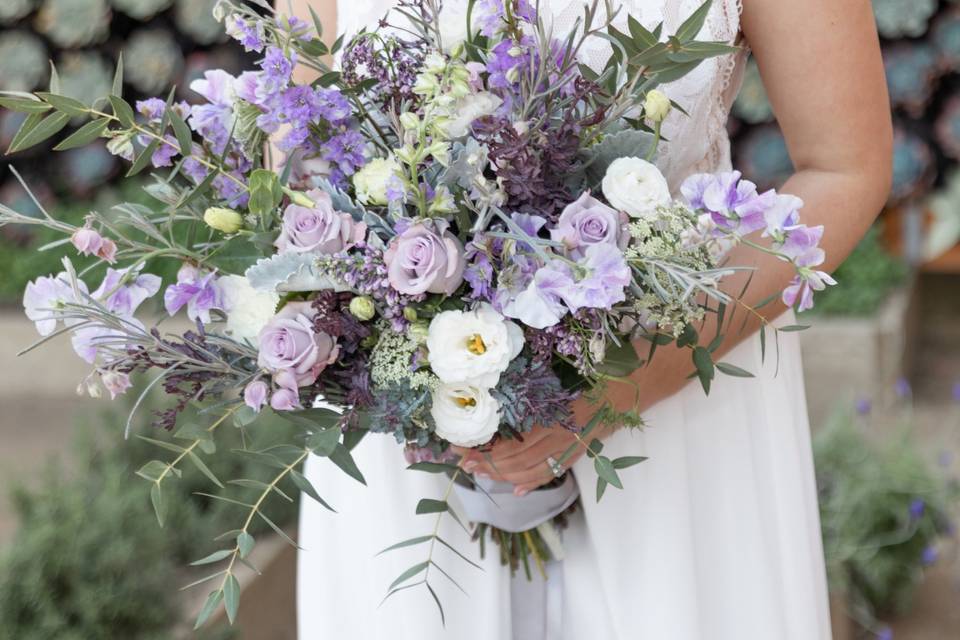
{"points": [[469, 109], [464, 415], [473, 347], [636, 187], [372, 180], [248, 309]]}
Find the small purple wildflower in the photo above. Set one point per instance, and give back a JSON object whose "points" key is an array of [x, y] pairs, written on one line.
{"points": [[902, 388], [864, 407], [929, 556], [917, 508]]}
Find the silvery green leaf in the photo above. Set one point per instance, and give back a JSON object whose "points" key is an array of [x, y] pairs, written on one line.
{"points": [[341, 200], [291, 272], [623, 144]]}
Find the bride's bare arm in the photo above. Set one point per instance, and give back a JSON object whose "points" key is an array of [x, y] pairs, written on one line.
{"points": [[326, 10], [820, 61]]}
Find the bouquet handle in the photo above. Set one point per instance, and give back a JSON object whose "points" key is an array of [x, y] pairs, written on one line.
{"points": [[497, 506]]}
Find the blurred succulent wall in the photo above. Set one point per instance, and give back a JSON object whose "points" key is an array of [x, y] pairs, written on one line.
{"points": [[164, 43], [921, 51]]}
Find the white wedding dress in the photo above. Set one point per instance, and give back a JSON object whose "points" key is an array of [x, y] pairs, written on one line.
{"points": [[715, 537]]}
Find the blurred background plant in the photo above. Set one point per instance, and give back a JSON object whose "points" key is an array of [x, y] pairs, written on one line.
{"points": [[886, 514], [90, 561]]}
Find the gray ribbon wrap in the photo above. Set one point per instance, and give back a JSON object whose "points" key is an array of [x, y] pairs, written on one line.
{"points": [[503, 510]]}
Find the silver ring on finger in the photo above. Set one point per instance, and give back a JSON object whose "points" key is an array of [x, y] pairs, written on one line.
{"points": [[555, 467]]}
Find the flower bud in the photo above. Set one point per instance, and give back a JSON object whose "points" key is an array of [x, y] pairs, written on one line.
{"points": [[426, 85], [300, 199], [418, 332], [513, 75], [410, 120], [434, 63], [515, 51], [362, 308], [225, 220], [657, 106], [410, 314]]}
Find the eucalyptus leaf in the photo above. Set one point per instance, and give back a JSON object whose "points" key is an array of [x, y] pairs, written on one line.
{"points": [[428, 505], [245, 543], [607, 471], [209, 606], [231, 597], [84, 135]]}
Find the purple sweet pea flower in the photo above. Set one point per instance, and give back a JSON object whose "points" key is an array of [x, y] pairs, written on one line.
{"points": [[733, 203], [116, 382], [196, 291], [783, 214], [293, 350], [608, 276], [44, 300], [255, 395], [214, 121], [87, 241], [318, 229], [587, 222], [285, 400], [124, 299], [425, 258]]}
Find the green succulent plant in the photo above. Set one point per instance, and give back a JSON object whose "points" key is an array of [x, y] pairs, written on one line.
{"points": [[74, 23], [141, 9], [153, 60], [195, 18], [85, 76], [896, 18], [23, 61], [13, 10], [752, 105]]}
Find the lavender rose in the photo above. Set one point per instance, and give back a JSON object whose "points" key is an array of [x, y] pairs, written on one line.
{"points": [[588, 221], [318, 229], [425, 258], [293, 350]]}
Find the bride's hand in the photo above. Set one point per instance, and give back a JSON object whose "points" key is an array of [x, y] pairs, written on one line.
{"points": [[523, 464]]}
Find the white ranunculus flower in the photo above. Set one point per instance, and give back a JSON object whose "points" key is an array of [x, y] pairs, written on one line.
{"points": [[635, 187], [372, 180], [464, 415], [469, 109], [248, 309], [472, 347]]}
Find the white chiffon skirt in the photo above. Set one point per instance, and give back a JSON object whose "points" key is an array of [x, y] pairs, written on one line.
{"points": [[715, 537]]}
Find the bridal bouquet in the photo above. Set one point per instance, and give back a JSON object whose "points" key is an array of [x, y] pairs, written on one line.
{"points": [[466, 233]]}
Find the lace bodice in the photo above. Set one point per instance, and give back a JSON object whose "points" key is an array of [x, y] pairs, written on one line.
{"points": [[698, 142]]}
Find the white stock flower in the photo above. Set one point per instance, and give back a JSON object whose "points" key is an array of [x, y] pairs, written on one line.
{"points": [[635, 187], [464, 415], [469, 109], [372, 180], [248, 309], [472, 347]]}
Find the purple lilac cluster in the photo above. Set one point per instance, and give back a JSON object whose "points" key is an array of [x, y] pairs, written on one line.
{"points": [[738, 209]]}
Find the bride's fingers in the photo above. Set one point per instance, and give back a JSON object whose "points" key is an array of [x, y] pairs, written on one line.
{"points": [[528, 458]]}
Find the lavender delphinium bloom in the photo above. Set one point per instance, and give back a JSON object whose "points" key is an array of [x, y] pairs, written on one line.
{"points": [[197, 291], [493, 15], [293, 350], [250, 35], [318, 229], [45, 298], [425, 258], [587, 222]]}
